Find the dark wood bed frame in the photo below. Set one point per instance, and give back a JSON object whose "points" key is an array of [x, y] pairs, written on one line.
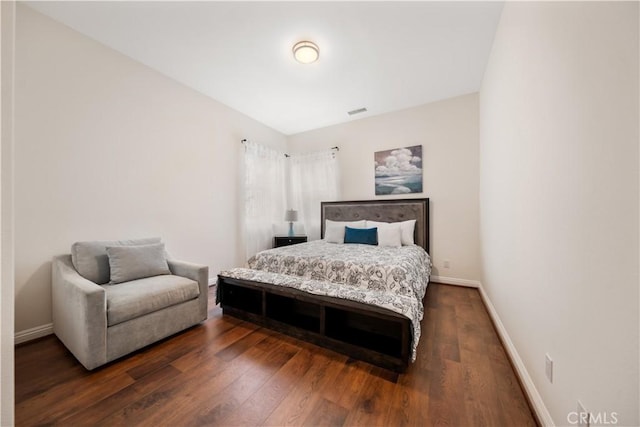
{"points": [[373, 334]]}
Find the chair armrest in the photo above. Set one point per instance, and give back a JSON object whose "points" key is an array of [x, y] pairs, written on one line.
{"points": [[198, 273], [79, 313]]}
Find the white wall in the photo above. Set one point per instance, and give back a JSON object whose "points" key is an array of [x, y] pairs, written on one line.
{"points": [[448, 133], [107, 148], [7, 18], [559, 199]]}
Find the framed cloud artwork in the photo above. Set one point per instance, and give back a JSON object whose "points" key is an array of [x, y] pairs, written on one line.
{"points": [[398, 171]]}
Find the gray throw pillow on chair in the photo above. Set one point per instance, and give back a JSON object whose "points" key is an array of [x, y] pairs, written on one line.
{"points": [[136, 262], [91, 261]]}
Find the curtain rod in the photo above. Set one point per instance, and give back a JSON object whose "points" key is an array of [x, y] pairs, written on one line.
{"points": [[242, 141]]}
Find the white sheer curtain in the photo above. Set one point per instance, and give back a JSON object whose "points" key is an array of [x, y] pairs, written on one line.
{"points": [[314, 178], [265, 195]]}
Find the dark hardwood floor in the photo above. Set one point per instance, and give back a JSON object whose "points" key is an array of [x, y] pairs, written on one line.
{"points": [[229, 372]]}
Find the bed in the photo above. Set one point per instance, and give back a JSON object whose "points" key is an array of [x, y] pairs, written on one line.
{"points": [[361, 300]]}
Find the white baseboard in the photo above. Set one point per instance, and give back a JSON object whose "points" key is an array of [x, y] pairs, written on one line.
{"points": [[454, 281], [33, 333], [213, 281], [521, 371]]}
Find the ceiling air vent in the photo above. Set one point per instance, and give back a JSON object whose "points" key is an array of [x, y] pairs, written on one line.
{"points": [[357, 111]]}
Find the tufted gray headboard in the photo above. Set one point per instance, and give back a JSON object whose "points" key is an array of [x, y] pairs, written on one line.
{"points": [[382, 210]]}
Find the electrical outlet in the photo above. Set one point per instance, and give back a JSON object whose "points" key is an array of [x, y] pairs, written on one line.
{"points": [[583, 416], [446, 263], [548, 367]]}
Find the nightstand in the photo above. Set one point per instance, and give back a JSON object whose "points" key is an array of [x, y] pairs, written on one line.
{"points": [[286, 240]]}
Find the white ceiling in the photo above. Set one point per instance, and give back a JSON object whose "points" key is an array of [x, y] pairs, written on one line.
{"points": [[384, 56]]}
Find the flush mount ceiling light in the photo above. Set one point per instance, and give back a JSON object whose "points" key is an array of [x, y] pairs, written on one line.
{"points": [[306, 52]]}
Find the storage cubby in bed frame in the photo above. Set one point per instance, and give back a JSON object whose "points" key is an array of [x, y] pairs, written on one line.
{"points": [[372, 334]]}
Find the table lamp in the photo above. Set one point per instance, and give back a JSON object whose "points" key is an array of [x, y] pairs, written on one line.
{"points": [[291, 216]]}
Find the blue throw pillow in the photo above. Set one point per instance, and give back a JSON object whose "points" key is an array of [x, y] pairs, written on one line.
{"points": [[366, 236]]}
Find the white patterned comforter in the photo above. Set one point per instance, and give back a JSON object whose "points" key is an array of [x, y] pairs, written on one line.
{"points": [[391, 278]]}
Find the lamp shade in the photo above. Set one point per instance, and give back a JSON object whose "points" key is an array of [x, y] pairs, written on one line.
{"points": [[291, 215]]}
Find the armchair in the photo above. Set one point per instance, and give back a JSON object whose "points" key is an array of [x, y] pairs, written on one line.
{"points": [[100, 321]]}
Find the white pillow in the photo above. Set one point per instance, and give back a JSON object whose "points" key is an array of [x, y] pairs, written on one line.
{"points": [[334, 230], [407, 228], [390, 235]]}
